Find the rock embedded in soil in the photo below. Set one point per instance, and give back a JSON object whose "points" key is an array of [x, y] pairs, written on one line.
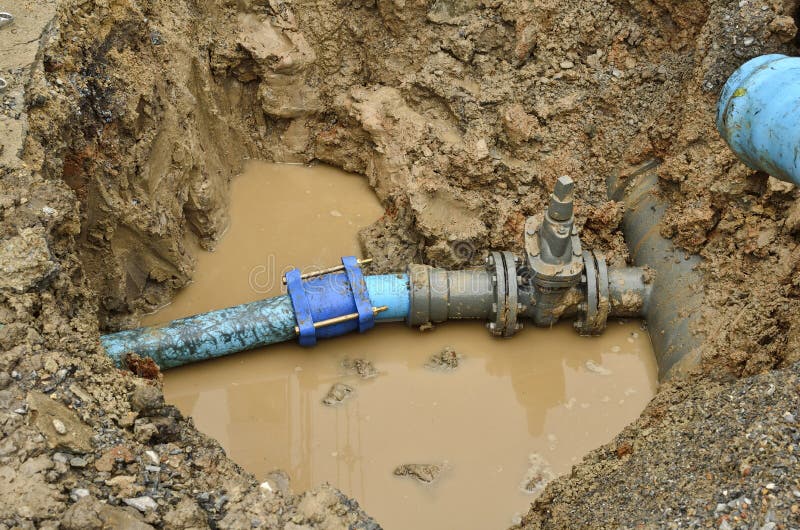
{"points": [[361, 367], [426, 473], [48, 413], [447, 359], [338, 393], [146, 398], [25, 260]]}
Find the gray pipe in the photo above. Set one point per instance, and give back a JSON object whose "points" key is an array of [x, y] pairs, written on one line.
{"points": [[677, 293]]}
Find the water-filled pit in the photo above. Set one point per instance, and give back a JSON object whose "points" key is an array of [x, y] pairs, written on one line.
{"points": [[545, 396]]}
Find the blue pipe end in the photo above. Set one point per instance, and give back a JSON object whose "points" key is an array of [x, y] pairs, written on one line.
{"points": [[758, 115]]}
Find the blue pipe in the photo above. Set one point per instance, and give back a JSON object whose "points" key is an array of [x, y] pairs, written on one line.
{"points": [[243, 327], [758, 115]]}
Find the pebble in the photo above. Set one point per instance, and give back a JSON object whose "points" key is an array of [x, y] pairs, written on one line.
{"points": [[153, 469], [153, 456], [566, 65], [77, 461], [142, 504], [788, 417], [78, 493], [748, 41], [60, 458], [59, 426], [146, 398]]}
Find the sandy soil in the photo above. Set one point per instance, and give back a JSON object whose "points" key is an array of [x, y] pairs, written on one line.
{"points": [[124, 122]]}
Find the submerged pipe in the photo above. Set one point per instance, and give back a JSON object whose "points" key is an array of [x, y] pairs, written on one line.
{"points": [[758, 115]]}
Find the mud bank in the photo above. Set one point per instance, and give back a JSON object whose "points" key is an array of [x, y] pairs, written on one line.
{"points": [[125, 121]]}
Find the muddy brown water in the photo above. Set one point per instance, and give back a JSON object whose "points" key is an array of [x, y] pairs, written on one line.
{"points": [[546, 393]]}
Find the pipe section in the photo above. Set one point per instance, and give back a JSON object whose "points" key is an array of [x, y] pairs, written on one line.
{"points": [[673, 302], [758, 115], [554, 279], [243, 327]]}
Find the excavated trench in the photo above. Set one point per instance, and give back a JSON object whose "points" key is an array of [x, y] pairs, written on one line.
{"points": [[125, 121], [505, 414]]}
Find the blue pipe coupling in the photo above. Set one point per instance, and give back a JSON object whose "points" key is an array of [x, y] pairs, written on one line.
{"points": [[336, 301], [758, 115]]}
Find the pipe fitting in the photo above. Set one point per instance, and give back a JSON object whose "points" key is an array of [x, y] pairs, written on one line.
{"points": [[436, 295]]}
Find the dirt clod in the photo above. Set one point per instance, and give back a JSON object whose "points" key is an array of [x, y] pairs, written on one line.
{"points": [[337, 394], [426, 473], [447, 359], [361, 367]]}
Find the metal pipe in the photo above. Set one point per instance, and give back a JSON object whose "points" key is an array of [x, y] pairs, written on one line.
{"points": [[758, 115], [672, 309]]}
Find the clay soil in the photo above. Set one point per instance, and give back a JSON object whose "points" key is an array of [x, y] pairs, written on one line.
{"points": [[124, 121]]}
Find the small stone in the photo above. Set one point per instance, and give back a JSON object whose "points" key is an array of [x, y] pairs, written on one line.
{"points": [[153, 469], [59, 426], [748, 41], [78, 493], [567, 65], [143, 504], [153, 456], [769, 526], [60, 458], [725, 526], [770, 486], [616, 73], [788, 417], [721, 508], [146, 398], [77, 461]]}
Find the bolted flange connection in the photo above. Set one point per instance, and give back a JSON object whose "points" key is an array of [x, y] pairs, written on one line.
{"points": [[502, 266], [556, 279], [593, 311]]}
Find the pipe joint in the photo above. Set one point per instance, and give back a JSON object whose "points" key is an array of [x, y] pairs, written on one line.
{"points": [[330, 303]]}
